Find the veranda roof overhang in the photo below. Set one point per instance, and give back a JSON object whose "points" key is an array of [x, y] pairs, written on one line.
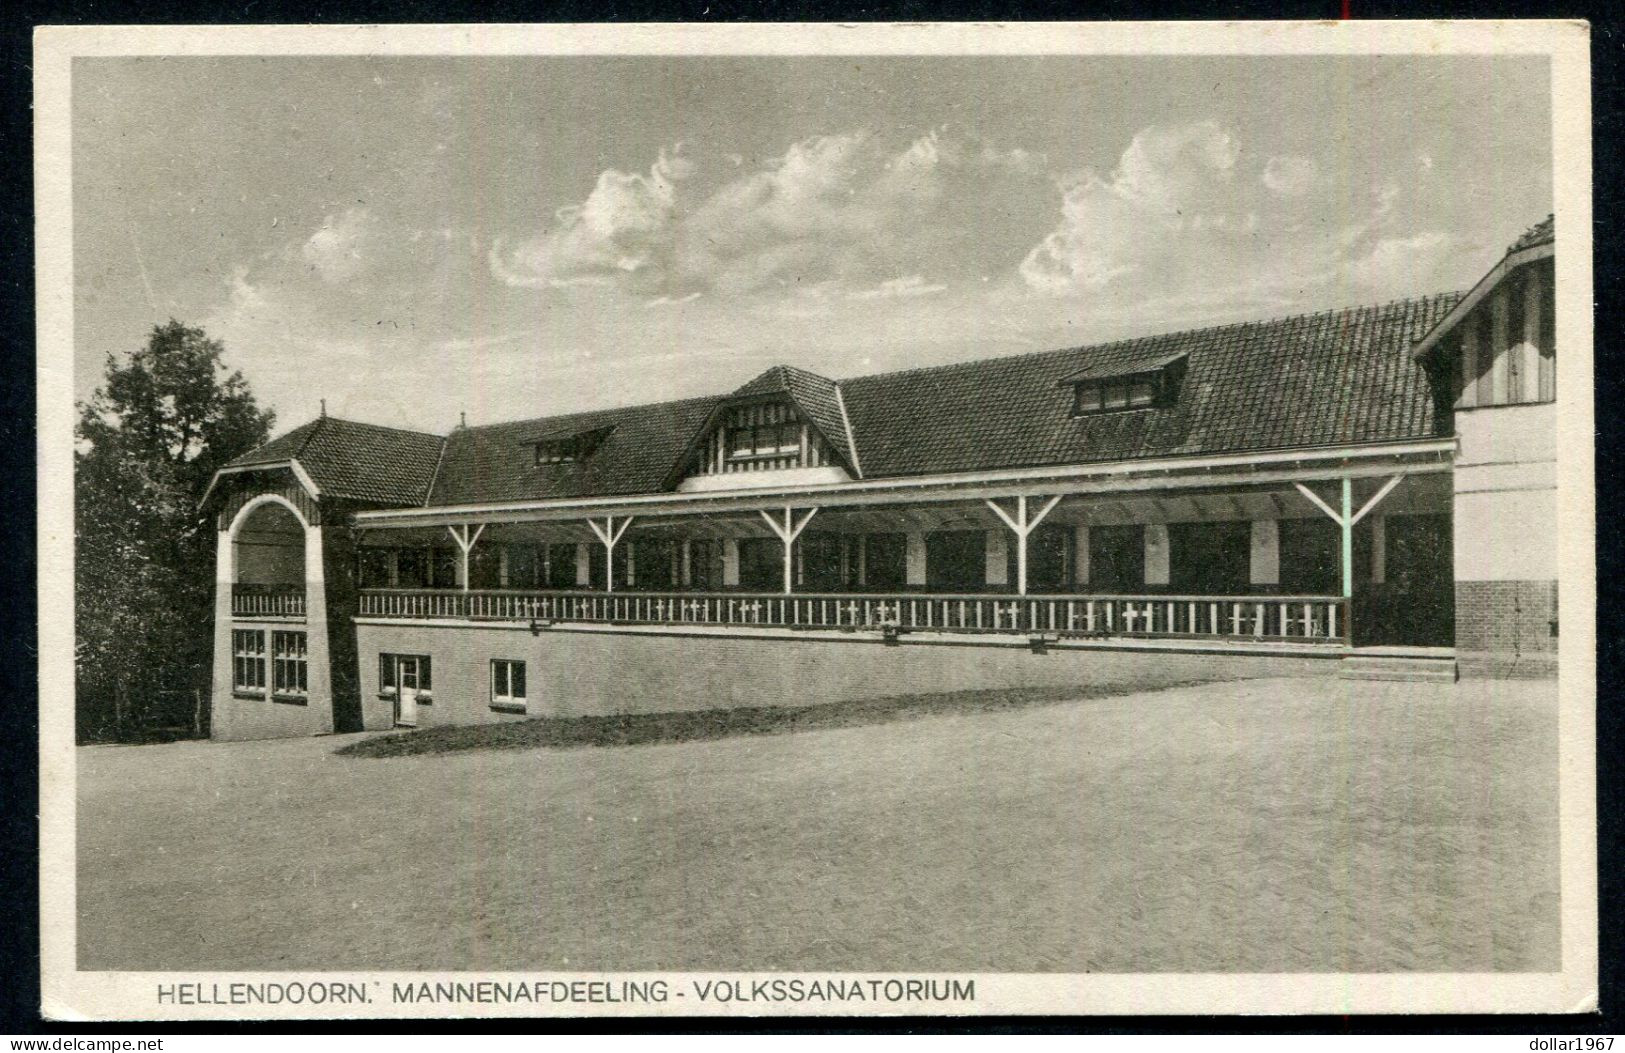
{"points": [[1237, 469]]}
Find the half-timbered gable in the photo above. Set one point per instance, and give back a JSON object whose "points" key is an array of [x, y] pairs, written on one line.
{"points": [[784, 421]]}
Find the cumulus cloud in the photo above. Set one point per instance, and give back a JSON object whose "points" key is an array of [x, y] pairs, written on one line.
{"points": [[622, 228], [846, 208], [1290, 176], [1162, 182], [1170, 235]]}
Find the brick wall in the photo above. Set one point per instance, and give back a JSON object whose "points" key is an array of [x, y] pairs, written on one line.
{"points": [[588, 672], [1505, 628]]}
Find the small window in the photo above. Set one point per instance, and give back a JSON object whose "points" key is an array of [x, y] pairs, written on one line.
{"points": [[288, 666], [567, 449], [248, 661], [763, 432], [1139, 391], [555, 453], [508, 685]]}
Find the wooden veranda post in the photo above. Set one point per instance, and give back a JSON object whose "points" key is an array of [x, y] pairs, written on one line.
{"points": [[1022, 526], [1348, 517], [610, 535], [1347, 523], [465, 545], [787, 533]]}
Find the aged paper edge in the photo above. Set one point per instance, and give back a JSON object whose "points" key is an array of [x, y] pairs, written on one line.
{"points": [[69, 994]]}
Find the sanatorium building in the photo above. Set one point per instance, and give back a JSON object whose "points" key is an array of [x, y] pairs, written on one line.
{"points": [[1368, 492]]}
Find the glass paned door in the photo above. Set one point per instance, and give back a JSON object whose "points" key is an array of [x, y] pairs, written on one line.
{"points": [[408, 681]]}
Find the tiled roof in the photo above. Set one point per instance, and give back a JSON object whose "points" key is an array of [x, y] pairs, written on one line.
{"points": [[1339, 377], [496, 463], [362, 462], [1539, 234], [1311, 380]]}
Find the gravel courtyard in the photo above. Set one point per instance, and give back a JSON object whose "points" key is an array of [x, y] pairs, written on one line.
{"points": [[1266, 825]]}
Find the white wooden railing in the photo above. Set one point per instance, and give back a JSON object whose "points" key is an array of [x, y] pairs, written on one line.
{"points": [[1304, 619], [267, 601]]}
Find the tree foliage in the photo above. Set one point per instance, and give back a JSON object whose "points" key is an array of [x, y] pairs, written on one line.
{"points": [[149, 441]]}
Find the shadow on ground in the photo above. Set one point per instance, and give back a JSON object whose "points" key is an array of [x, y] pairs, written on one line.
{"points": [[648, 728]]}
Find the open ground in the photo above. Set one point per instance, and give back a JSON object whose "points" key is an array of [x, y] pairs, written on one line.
{"points": [[1260, 826]]}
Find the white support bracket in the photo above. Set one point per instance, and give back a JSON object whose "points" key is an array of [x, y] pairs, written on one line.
{"points": [[465, 544], [1371, 503], [787, 533], [1376, 498], [610, 535], [1021, 525], [1348, 517]]}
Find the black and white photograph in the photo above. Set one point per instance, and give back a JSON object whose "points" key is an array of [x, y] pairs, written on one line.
{"points": [[557, 521]]}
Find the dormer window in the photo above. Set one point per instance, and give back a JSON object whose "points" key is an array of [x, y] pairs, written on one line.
{"points": [[769, 438], [556, 451], [568, 448], [1102, 396], [1114, 387]]}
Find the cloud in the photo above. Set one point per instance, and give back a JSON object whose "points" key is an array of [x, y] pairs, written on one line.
{"points": [[622, 228], [673, 301], [482, 343], [1171, 238], [1290, 176], [339, 249], [1399, 263], [1162, 182], [845, 207], [898, 288]]}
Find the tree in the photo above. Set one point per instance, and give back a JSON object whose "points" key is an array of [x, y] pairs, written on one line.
{"points": [[149, 441]]}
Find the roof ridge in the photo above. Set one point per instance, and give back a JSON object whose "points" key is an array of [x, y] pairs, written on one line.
{"points": [[434, 476], [316, 426], [1168, 335], [589, 412], [381, 427]]}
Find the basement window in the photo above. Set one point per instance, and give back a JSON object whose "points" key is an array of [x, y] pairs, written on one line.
{"points": [[507, 685]]}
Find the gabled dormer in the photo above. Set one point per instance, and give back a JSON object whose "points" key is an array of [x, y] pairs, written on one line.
{"points": [[1117, 385], [786, 427]]}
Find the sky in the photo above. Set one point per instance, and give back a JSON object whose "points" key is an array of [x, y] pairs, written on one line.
{"points": [[417, 239]]}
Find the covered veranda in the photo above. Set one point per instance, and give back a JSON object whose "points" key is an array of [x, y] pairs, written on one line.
{"points": [[1323, 547]]}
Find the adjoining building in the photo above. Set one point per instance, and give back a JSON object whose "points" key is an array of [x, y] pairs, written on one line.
{"points": [[1368, 491]]}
